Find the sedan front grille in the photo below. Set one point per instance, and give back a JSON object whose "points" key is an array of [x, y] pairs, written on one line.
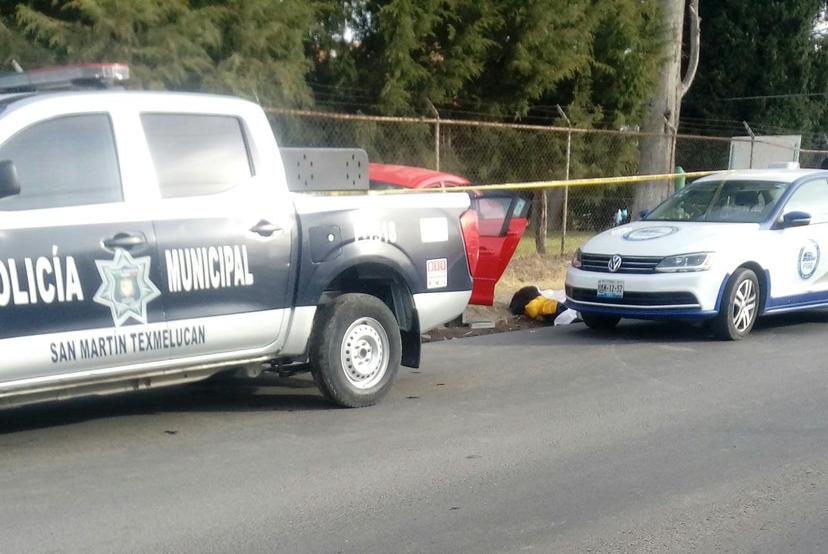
{"points": [[643, 299], [629, 264]]}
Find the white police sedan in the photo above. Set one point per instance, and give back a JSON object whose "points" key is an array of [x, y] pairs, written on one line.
{"points": [[727, 248]]}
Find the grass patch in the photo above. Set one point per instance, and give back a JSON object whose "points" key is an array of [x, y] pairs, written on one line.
{"points": [[546, 271], [553, 243]]}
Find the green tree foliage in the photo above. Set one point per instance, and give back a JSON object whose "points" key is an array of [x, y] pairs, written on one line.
{"points": [[757, 48], [334, 76], [261, 53], [255, 48], [166, 42], [509, 59], [14, 45], [428, 50], [626, 56], [506, 58]]}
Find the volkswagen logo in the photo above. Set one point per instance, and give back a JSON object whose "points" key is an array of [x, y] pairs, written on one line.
{"points": [[614, 263]]}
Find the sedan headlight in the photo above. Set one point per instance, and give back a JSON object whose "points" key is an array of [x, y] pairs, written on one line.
{"points": [[700, 261], [576, 259]]}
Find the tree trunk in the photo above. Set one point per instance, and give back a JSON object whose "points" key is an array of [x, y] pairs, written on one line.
{"points": [[662, 119], [541, 210], [554, 208]]}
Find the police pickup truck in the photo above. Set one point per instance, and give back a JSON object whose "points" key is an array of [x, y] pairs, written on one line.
{"points": [[150, 239]]}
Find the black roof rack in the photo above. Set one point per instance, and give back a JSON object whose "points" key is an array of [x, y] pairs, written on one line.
{"points": [[67, 77]]}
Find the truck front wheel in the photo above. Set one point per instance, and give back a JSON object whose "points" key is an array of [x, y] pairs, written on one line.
{"points": [[355, 350]]}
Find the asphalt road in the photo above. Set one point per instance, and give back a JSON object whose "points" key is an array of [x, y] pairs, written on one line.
{"points": [[651, 439]]}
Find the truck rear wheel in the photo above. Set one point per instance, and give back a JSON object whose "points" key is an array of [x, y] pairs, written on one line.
{"points": [[355, 350]]}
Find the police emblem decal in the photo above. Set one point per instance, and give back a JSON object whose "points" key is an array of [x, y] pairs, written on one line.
{"points": [[650, 233], [126, 288], [808, 259]]}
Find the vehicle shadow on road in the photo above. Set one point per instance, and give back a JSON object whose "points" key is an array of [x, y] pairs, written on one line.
{"points": [[264, 394], [642, 331], [793, 319], [699, 331], [650, 331], [579, 335]]}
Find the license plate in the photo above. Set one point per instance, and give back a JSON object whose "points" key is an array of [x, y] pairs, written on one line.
{"points": [[610, 289]]}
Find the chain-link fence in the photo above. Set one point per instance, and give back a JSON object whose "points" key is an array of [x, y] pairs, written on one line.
{"points": [[489, 152]]}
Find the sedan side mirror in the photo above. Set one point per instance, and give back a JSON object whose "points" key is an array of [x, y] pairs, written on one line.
{"points": [[9, 183], [796, 219]]}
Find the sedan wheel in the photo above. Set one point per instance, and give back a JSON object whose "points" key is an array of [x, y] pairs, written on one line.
{"points": [[740, 306], [744, 306]]}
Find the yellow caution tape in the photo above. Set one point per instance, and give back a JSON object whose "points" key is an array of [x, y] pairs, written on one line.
{"points": [[553, 184]]}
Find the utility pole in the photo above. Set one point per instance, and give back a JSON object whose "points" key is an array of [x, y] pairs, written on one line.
{"points": [[436, 135], [658, 143], [541, 221], [752, 142]]}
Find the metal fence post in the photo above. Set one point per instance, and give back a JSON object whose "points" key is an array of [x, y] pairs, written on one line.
{"points": [[436, 136], [673, 144], [565, 207], [752, 141]]}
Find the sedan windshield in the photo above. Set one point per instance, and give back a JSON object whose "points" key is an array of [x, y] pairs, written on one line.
{"points": [[721, 201]]}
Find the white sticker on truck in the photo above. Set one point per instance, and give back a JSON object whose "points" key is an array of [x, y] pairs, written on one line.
{"points": [[437, 273], [384, 231], [433, 229]]}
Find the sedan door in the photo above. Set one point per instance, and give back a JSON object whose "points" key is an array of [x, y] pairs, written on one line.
{"points": [[798, 265]]}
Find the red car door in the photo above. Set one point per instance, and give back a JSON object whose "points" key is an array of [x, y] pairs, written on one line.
{"points": [[502, 218]]}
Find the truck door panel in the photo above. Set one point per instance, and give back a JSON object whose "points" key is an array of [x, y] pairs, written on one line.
{"points": [[78, 279], [225, 243]]}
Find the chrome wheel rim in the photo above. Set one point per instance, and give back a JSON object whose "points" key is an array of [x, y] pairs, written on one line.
{"points": [[744, 306], [365, 353]]}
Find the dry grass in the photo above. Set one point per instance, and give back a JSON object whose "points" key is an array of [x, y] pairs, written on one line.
{"points": [[546, 271]]}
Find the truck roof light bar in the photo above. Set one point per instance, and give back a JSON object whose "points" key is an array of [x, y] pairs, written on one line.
{"points": [[67, 77]]}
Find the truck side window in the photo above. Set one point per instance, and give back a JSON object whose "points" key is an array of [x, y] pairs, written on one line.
{"points": [[197, 155], [66, 161]]}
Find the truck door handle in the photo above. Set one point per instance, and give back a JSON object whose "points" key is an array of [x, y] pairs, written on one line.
{"points": [[124, 240], [265, 228]]}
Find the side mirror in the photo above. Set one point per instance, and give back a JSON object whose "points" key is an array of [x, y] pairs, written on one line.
{"points": [[9, 184], [643, 213], [796, 219]]}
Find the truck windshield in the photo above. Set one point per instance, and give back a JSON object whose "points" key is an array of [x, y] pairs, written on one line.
{"points": [[726, 201]]}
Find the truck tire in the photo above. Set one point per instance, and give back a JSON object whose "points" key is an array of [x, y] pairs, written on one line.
{"points": [[600, 322], [740, 306], [355, 350]]}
